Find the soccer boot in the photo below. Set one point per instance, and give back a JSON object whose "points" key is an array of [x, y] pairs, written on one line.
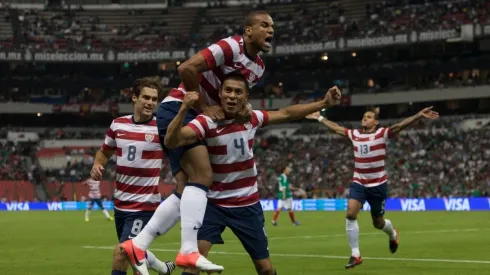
{"points": [[197, 261], [136, 257], [274, 223], [353, 261], [394, 243], [297, 223]]}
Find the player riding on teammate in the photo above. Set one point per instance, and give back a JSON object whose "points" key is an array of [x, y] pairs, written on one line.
{"points": [[134, 138], [234, 197], [284, 196], [370, 179], [202, 73]]}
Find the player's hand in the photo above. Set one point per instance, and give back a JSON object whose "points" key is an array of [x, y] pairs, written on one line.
{"points": [[215, 112], [333, 96], [314, 116], [190, 99], [245, 115], [96, 172], [428, 113]]}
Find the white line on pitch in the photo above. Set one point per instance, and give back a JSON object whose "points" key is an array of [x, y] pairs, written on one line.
{"points": [[362, 234], [316, 256]]}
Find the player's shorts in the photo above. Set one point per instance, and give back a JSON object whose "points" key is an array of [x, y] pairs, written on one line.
{"points": [[165, 114], [130, 224], [285, 204], [97, 201], [375, 196], [247, 223]]}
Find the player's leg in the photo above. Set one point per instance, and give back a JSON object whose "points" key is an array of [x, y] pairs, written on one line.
{"points": [[119, 262], [214, 223], [247, 223], [357, 197], [89, 208], [106, 213], [289, 206], [280, 206], [376, 197], [133, 225]]}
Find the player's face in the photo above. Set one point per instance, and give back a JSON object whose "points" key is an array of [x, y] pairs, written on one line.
{"points": [[369, 120], [146, 103], [233, 96], [262, 32], [287, 171]]}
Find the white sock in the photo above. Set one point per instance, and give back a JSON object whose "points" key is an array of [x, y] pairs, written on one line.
{"points": [[164, 218], [87, 213], [389, 230], [156, 264], [106, 214], [192, 208], [352, 229]]}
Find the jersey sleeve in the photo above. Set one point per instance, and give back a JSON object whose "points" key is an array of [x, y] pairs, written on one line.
{"points": [[200, 126], [388, 133], [259, 118], [348, 133], [110, 139], [222, 52]]}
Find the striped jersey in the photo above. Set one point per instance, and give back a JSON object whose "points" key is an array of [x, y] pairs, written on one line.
{"points": [[139, 162], [93, 189], [369, 156], [222, 58], [230, 147]]}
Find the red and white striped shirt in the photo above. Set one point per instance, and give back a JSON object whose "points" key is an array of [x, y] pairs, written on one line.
{"points": [[139, 162], [93, 189], [369, 156], [224, 57], [230, 147]]}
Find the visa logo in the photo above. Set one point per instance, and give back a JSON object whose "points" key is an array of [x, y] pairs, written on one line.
{"points": [[267, 205], [298, 206], [54, 206], [457, 204], [18, 206], [413, 205]]}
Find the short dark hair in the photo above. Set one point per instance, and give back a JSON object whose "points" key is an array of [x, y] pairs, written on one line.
{"points": [[152, 82], [374, 110], [236, 75], [250, 19]]}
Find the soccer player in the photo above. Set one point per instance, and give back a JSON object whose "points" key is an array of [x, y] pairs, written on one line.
{"points": [[370, 179], [134, 138], [202, 73], [284, 197], [233, 198], [94, 197]]}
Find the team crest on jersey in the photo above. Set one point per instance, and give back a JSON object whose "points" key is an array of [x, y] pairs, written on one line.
{"points": [[149, 137]]}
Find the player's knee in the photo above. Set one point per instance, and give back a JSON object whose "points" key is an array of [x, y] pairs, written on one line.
{"points": [[118, 258], [351, 215], [378, 223], [264, 267]]}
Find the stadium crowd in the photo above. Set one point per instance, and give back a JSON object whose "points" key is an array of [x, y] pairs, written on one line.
{"points": [[433, 160]]}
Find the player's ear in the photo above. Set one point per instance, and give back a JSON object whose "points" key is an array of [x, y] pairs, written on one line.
{"points": [[248, 30], [134, 98]]}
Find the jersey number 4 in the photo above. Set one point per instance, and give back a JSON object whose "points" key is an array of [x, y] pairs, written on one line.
{"points": [[240, 145]]}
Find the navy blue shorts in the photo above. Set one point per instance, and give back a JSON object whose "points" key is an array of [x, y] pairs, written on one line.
{"points": [[247, 223], [165, 114], [130, 224], [375, 196], [97, 201]]}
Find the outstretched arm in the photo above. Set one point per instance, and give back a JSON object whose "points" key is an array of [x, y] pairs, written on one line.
{"points": [[177, 135], [298, 111], [332, 126], [425, 113]]}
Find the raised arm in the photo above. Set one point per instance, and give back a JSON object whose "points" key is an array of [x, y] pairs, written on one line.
{"points": [[332, 126], [425, 113], [177, 135], [298, 111]]}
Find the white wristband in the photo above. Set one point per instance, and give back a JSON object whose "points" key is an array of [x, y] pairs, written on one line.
{"points": [[320, 118]]}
